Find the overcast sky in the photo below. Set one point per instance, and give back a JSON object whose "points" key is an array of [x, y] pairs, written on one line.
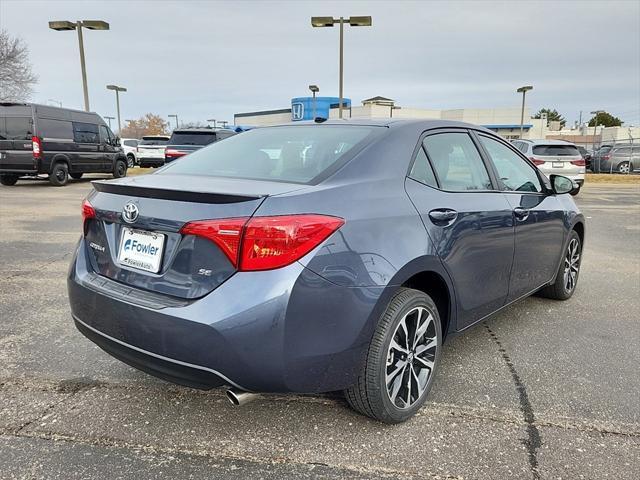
{"points": [[206, 59]]}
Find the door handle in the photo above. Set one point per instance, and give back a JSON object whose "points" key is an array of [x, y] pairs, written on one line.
{"points": [[521, 213], [443, 216]]}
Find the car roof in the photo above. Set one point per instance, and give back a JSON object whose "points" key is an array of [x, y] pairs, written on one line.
{"points": [[201, 130]]}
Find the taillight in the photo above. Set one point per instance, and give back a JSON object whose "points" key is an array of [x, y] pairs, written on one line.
{"points": [[579, 163], [170, 152], [536, 161], [225, 233], [36, 145], [87, 212], [606, 157], [265, 243]]}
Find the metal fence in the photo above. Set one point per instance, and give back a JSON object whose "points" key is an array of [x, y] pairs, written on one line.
{"points": [[616, 156]]}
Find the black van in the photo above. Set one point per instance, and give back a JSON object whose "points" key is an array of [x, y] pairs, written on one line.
{"points": [[58, 142]]}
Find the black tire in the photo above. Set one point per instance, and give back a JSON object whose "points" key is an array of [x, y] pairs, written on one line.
{"points": [[76, 176], [59, 175], [369, 395], [8, 180], [131, 161], [120, 169], [560, 289]]}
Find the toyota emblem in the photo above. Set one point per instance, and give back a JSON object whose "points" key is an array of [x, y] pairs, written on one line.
{"points": [[130, 212]]}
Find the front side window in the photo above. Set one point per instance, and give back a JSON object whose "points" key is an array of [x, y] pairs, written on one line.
{"points": [[515, 174], [287, 154], [457, 162], [422, 171], [85, 133]]}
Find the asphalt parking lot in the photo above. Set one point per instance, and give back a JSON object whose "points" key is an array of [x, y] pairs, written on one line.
{"points": [[543, 390]]}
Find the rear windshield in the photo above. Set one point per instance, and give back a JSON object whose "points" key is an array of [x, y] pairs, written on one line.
{"points": [[155, 141], [16, 128], [189, 138], [556, 150], [287, 154]]}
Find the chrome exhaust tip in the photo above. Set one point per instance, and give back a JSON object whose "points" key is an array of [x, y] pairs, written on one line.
{"points": [[239, 398]]}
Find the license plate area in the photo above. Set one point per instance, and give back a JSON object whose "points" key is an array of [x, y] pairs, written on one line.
{"points": [[558, 164], [141, 250]]}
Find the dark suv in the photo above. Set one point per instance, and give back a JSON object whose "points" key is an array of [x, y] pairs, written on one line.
{"points": [[187, 140], [57, 142]]}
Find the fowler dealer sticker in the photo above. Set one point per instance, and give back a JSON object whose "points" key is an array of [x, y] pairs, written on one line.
{"points": [[140, 249]]}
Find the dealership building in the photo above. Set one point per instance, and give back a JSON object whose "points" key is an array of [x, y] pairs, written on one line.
{"points": [[504, 121]]}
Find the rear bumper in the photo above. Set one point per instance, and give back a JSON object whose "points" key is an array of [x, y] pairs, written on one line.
{"points": [[285, 330]]}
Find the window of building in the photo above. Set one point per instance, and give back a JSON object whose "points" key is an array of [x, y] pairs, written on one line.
{"points": [[457, 162]]}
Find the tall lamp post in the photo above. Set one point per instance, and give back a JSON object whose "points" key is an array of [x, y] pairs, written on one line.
{"points": [[117, 89], [212, 120], [524, 91], [314, 89], [595, 127], [109, 120], [330, 22], [175, 115], [63, 25]]}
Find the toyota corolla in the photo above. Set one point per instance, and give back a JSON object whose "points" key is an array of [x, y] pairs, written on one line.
{"points": [[320, 256]]}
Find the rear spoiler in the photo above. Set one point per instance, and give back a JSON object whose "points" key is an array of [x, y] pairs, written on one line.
{"points": [[165, 194]]}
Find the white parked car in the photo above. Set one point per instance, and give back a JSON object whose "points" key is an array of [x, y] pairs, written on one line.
{"points": [[150, 150], [554, 157], [129, 146]]}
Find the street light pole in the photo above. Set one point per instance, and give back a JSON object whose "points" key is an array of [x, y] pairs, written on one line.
{"points": [[212, 120], [175, 115], [595, 126], [117, 89], [63, 25], [329, 22], [314, 89], [524, 91], [109, 120]]}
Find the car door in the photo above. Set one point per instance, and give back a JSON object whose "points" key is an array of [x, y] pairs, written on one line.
{"points": [[88, 149], [109, 150], [538, 217], [468, 220]]}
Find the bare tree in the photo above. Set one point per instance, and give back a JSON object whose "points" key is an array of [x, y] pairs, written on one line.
{"points": [[16, 78]]}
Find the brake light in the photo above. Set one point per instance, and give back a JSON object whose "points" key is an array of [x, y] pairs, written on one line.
{"points": [[36, 145], [225, 233], [265, 243], [579, 163], [88, 212], [536, 161], [606, 157], [173, 153]]}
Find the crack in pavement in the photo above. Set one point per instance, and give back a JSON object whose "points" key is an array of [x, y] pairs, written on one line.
{"points": [[533, 441]]}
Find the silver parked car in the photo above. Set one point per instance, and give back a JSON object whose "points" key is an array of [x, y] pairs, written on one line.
{"points": [[617, 159], [555, 157]]}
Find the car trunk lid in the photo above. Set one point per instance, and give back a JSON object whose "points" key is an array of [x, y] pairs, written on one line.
{"points": [[168, 261]]}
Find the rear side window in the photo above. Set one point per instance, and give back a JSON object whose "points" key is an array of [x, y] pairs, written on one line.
{"points": [[85, 133], [16, 128], [515, 174], [55, 129], [556, 150], [131, 143], [457, 162], [187, 138], [422, 171], [290, 154]]}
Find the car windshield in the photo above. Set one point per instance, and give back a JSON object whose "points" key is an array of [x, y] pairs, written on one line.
{"points": [[289, 154], [155, 141], [556, 150], [189, 138]]}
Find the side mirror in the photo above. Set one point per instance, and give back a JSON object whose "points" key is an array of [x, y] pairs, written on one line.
{"points": [[116, 142], [562, 184]]}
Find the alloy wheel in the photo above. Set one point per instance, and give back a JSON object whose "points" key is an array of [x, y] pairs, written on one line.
{"points": [[623, 167], [411, 357], [571, 265]]}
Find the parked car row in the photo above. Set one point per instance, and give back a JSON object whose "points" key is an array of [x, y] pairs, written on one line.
{"points": [[616, 159], [38, 140]]}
